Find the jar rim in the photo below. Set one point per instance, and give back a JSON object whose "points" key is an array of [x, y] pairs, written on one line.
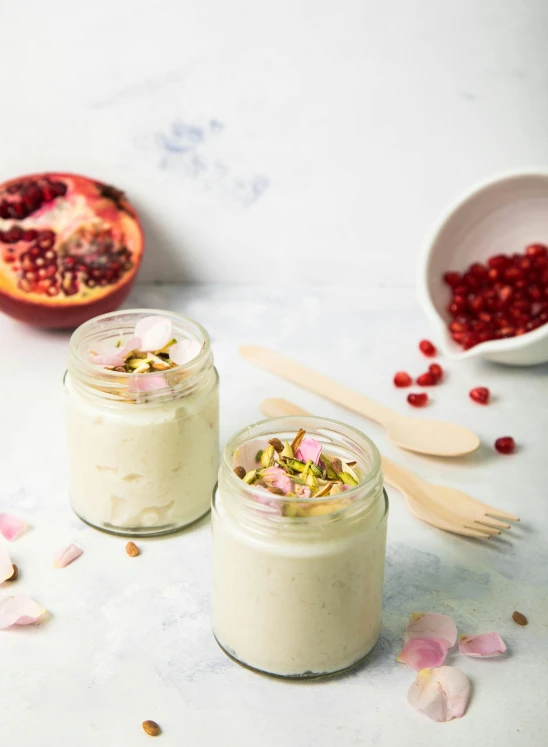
{"points": [[329, 423], [90, 372]]}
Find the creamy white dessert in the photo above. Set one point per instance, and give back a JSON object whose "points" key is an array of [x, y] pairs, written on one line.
{"points": [[143, 465], [142, 422], [298, 592]]}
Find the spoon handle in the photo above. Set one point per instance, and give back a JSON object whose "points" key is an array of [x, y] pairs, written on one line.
{"points": [[317, 383]]}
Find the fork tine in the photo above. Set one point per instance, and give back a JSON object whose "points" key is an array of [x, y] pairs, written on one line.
{"points": [[490, 511], [484, 528], [490, 522]]}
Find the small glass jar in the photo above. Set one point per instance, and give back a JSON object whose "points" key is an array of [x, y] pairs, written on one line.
{"points": [[140, 462], [299, 596]]}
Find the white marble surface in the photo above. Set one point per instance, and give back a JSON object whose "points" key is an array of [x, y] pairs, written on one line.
{"points": [[307, 129], [129, 639]]}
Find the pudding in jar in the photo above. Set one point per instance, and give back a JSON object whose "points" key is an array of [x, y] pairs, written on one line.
{"points": [[142, 422], [299, 534]]}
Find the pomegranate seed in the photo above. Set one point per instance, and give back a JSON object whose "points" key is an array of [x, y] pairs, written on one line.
{"points": [[402, 379], [505, 444], [14, 235], [512, 274], [536, 250], [480, 394], [418, 400], [427, 348], [30, 235], [436, 370], [427, 379], [452, 279]]}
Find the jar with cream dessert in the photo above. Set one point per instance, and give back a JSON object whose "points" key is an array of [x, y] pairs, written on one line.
{"points": [[142, 422], [299, 535]]}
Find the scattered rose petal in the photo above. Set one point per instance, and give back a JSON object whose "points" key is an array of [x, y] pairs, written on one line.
{"points": [[155, 333], [147, 382], [423, 653], [309, 449], [441, 694], [427, 625], [184, 351], [484, 644], [117, 357], [278, 478], [6, 566], [66, 555], [19, 610], [11, 526]]}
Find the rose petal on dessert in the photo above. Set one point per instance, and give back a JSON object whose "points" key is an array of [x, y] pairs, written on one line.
{"points": [[429, 625], [66, 555], [483, 644], [441, 694], [19, 610], [278, 479], [11, 526], [155, 332], [147, 382], [309, 449], [423, 653], [6, 566], [184, 351], [117, 357]]}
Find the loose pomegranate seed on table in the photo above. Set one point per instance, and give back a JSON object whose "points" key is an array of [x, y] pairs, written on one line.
{"points": [[506, 297], [427, 348], [418, 400], [436, 370], [402, 379], [427, 379], [505, 445], [480, 394]]}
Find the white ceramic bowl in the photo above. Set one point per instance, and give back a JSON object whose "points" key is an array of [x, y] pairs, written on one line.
{"points": [[503, 215]]}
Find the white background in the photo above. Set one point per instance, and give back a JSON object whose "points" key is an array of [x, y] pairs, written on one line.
{"points": [[288, 139]]}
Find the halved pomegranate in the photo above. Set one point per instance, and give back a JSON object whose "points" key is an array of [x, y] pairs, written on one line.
{"points": [[70, 248]]}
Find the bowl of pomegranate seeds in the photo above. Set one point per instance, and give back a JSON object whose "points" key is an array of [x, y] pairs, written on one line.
{"points": [[484, 272]]}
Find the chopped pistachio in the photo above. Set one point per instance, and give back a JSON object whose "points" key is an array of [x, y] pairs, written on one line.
{"points": [[316, 471], [287, 450], [295, 464], [258, 455], [330, 472], [348, 469], [337, 465], [336, 489], [240, 471], [325, 490], [275, 490], [135, 363], [143, 368], [267, 457], [311, 481], [250, 476], [347, 479]]}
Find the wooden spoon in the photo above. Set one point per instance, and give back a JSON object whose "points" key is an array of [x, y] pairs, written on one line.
{"points": [[415, 434]]}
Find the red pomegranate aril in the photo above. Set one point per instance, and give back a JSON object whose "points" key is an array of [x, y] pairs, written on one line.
{"points": [[14, 235], [480, 394], [436, 370], [498, 261], [537, 250], [505, 445], [535, 293], [402, 379], [512, 274], [427, 379], [452, 279], [427, 348], [418, 400], [30, 235], [505, 294]]}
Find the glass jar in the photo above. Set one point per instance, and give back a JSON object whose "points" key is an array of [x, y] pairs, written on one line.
{"points": [[140, 462], [299, 596]]}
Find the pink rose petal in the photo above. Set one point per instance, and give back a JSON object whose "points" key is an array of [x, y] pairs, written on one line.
{"points": [[441, 694], [66, 555], [117, 356], [426, 625], [484, 644], [146, 382], [309, 449], [6, 566], [19, 610], [278, 478], [184, 351], [422, 653], [155, 333], [11, 526]]}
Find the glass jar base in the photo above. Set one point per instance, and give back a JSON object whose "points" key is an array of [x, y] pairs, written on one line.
{"points": [[144, 531], [305, 675]]}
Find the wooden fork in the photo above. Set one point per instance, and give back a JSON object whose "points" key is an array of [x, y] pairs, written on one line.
{"points": [[442, 507]]}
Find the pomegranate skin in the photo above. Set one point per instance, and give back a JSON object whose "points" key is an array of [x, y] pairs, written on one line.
{"points": [[95, 228]]}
